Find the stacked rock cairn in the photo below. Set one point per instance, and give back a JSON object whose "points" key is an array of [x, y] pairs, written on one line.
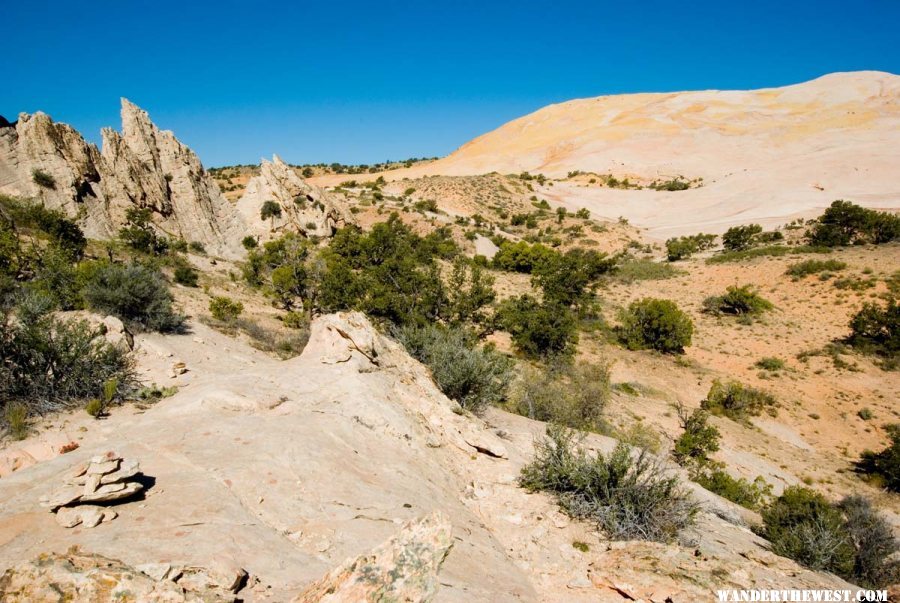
{"points": [[102, 479]]}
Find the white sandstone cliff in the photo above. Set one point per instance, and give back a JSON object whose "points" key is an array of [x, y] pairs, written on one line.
{"points": [[141, 167], [305, 208]]}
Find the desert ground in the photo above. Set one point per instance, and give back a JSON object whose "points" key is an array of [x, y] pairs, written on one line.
{"points": [[279, 455]]}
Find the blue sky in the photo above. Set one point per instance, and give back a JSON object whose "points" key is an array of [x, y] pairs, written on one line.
{"points": [[361, 82]]}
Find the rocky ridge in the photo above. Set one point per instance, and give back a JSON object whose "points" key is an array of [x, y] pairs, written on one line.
{"points": [[305, 208], [143, 166]]}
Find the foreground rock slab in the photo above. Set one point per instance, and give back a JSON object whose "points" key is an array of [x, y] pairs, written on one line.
{"points": [[404, 568], [78, 577]]}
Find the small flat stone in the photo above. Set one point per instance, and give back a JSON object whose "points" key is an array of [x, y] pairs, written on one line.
{"points": [[113, 492], [103, 468], [126, 469], [91, 484], [106, 456], [91, 516], [63, 496], [68, 517], [76, 471]]}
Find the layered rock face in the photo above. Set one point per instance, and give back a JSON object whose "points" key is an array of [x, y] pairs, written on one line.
{"points": [[36, 142], [305, 208], [143, 166], [152, 169]]}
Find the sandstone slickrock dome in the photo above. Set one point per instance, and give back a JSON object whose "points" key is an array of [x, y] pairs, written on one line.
{"points": [[305, 208], [705, 133], [765, 156]]}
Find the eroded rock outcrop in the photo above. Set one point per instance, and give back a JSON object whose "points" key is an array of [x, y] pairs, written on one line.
{"points": [[143, 167], [150, 168], [37, 143], [404, 568], [305, 208], [88, 578]]}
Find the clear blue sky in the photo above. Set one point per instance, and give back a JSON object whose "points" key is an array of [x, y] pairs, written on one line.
{"points": [[361, 82]]}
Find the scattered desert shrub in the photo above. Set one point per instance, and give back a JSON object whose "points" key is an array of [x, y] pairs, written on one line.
{"points": [[389, 273], [770, 363], [295, 320], [60, 232], [469, 291], [680, 248], [155, 393], [655, 324], [15, 416], [427, 205], [849, 539], [140, 234], [639, 435], [845, 223], [55, 276], [875, 564], [538, 329], [739, 238], [197, 247], [698, 440], [693, 449], [675, 184], [269, 340], [854, 283], [567, 279], [737, 401], [737, 300], [772, 236], [186, 275], [835, 351], [50, 363], [520, 256], [39, 249], [629, 495], [476, 377], [803, 526], [751, 495], [179, 245], [631, 269], [570, 395], [865, 414], [884, 466], [876, 330], [249, 242], [767, 251], [97, 407], [136, 293], [225, 309], [808, 267], [270, 210], [43, 179]]}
